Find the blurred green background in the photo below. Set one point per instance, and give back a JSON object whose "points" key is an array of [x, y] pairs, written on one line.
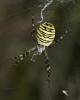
{"points": [[27, 81]]}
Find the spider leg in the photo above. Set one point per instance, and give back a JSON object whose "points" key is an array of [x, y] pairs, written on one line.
{"points": [[47, 66], [58, 40], [61, 37], [18, 62], [19, 56], [22, 56], [33, 29]]}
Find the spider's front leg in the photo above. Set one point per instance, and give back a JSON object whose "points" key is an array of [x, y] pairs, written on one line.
{"points": [[26, 54], [47, 66], [22, 56]]}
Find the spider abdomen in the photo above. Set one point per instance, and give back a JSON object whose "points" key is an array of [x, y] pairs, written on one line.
{"points": [[45, 34]]}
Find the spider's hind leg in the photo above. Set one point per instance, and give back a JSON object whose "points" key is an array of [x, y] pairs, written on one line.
{"points": [[47, 66], [60, 38], [57, 41], [33, 29]]}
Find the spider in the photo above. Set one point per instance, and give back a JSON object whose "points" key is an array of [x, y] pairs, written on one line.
{"points": [[45, 35]]}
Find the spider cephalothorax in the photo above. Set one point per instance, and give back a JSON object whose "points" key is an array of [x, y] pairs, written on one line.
{"points": [[45, 38]]}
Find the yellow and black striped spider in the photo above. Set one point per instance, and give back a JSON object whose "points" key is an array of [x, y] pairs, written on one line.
{"points": [[45, 35]]}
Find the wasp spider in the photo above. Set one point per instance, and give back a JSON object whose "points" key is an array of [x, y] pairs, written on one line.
{"points": [[45, 35]]}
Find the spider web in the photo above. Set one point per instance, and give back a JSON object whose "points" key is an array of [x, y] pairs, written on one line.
{"points": [[27, 80]]}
